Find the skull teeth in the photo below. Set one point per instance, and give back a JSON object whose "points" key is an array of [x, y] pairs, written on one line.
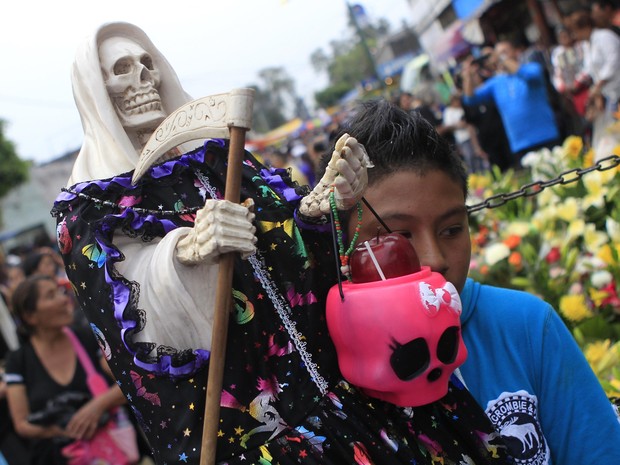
{"points": [[142, 103]]}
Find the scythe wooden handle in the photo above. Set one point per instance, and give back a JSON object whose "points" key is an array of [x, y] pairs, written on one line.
{"points": [[223, 302]]}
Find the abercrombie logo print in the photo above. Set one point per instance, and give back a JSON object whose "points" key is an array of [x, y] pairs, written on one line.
{"points": [[515, 416]]}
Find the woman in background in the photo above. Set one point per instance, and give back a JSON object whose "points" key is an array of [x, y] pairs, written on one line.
{"points": [[46, 366]]}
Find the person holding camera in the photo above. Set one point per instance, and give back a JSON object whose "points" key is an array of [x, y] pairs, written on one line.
{"points": [[519, 91]]}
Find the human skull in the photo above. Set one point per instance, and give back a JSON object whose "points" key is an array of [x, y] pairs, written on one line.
{"points": [[132, 82]]}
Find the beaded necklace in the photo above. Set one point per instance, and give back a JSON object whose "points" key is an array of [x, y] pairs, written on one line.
{"points": [[344, 254]]}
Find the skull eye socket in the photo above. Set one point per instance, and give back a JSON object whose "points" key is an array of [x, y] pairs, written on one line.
{"points": [[147, 62], [448, 345], [122, 67], [410, 360]]}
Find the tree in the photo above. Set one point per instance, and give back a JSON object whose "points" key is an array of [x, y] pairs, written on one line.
{"points": [[275, 100], [13, 170], [348, 64]]}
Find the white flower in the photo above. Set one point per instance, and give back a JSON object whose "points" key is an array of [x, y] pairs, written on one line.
{"points": [[531, 159], [518, 228], [495, 253], [601, 278], [613, 229]]}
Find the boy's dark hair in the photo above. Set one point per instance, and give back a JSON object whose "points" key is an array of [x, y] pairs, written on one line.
{"points": [[25, 299], [396, 139]]}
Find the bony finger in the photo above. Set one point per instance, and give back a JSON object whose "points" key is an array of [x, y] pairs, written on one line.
{"points": [[340, 143], [353, 161], [346, 171], [343, 187]]}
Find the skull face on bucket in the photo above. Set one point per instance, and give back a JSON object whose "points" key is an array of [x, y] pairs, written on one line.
{"points": [[398, 339]]}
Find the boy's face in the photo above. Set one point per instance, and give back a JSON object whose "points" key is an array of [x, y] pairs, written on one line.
{"points": [[430, 211]]}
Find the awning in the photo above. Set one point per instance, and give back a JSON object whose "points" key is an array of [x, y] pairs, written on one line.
{"points": [[452, 44]]}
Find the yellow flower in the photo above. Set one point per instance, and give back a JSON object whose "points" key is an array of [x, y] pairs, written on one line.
{"points": [[595, 351], [604, 253], [576, 228], [603, 358], [594, 239], [518, 228], [596, 187], [588, 158], [568, 210], [574, 307], [572, 147], [478, 181]]}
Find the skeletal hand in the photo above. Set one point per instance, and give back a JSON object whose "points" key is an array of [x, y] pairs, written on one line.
{"points": [[220, 227], [347, 172]]}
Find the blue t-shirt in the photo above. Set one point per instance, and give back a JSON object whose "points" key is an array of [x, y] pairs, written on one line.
{"points": [[526, 370], [523, 105]]}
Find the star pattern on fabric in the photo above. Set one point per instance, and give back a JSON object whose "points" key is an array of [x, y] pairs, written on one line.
{"points": [[191, 406], [187, 432], [183, 457]]}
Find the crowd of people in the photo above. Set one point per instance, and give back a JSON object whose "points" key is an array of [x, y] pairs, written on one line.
{"points": [[284, 397], [512, 97]]}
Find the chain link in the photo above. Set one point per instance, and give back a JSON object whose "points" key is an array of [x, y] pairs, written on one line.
{"points": [[535, 188]]}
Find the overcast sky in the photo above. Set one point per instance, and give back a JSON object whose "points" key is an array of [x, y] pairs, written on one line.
{"points": [[213, 46]]}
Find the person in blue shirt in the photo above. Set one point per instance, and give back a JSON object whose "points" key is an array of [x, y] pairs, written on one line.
{"points": [[523, 367], [519, 91]]}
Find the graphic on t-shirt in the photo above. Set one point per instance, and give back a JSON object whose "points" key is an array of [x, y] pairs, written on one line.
{"points": [[515, 415]]}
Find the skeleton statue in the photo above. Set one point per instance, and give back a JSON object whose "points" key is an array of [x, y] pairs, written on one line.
{"points": [[142, 89], [157, 276]]}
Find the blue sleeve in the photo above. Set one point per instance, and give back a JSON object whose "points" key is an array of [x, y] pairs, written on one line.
{"points": [[482, 94], [531, 72], [577, 417]]}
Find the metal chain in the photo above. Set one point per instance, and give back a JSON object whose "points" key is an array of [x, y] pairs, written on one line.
{"points": [[534, 188]]}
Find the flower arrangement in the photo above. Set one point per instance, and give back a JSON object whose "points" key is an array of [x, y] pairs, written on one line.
{"points": [[562, 244]]}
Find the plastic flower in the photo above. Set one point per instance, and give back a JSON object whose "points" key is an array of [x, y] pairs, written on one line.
{"points": [[574, 308], [495, 253]]}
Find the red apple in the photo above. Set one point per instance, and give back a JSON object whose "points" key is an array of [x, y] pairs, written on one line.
{"points": [[394, 254]]}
